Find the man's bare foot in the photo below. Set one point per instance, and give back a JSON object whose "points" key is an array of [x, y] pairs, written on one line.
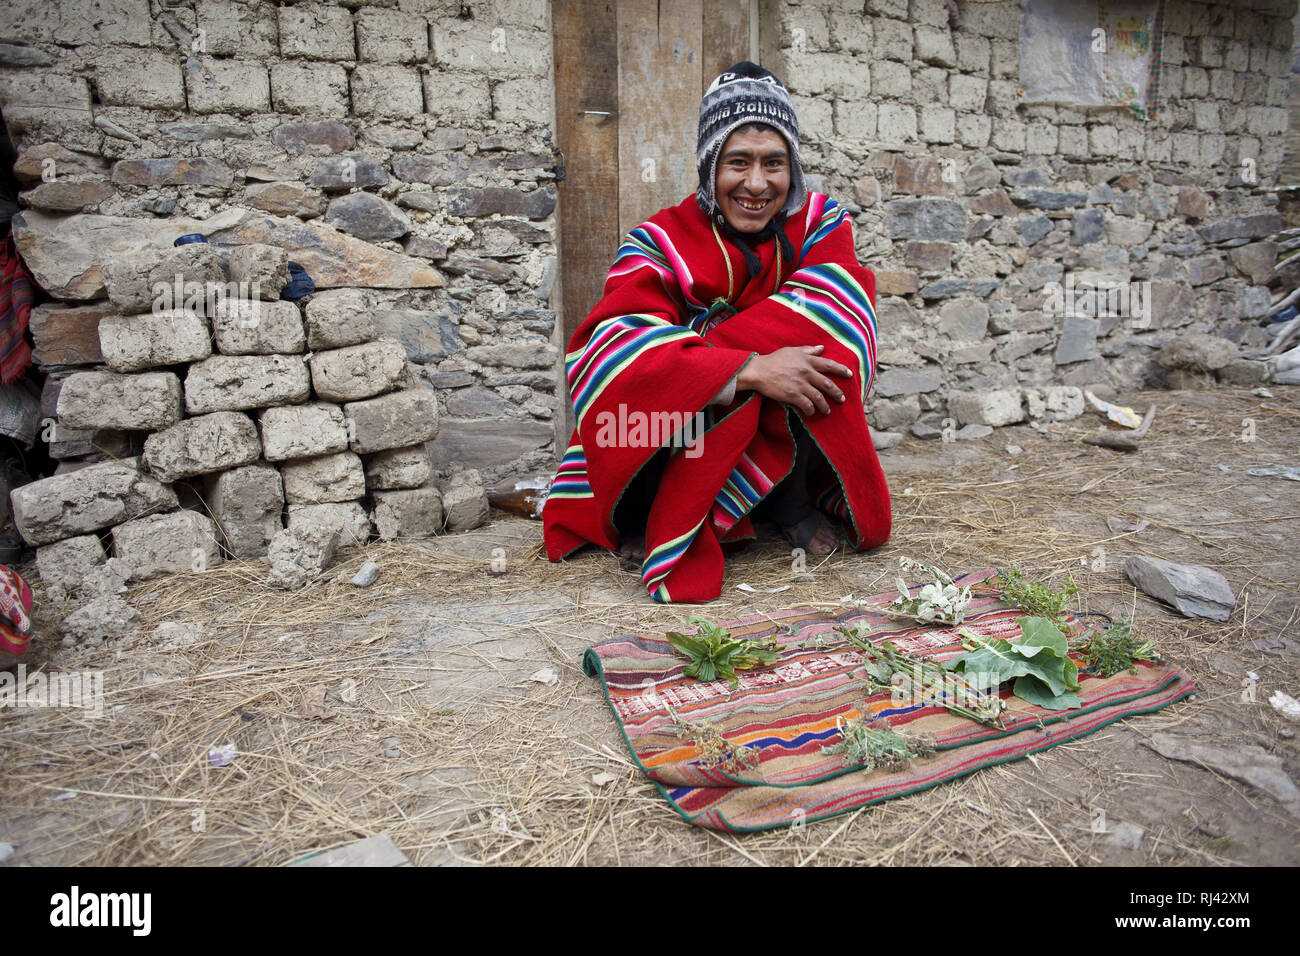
{"points": [[633, 549], [814, 534]]}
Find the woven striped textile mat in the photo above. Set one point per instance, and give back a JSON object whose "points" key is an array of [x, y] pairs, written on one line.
{"points": [[788, 712]]}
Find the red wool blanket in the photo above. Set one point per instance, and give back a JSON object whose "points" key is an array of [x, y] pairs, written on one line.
{"points": [[646, 363]]}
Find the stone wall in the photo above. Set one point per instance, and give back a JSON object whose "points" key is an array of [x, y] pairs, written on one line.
{"points": [[398, 146], [1291, 161], [404, 147], [968, 203]]}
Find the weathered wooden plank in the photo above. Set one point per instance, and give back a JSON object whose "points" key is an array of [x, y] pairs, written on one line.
{"points": [[586, 110], [659, 69], [726, 37]]}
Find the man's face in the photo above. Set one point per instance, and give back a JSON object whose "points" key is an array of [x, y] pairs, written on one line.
{"points": [[753, 178]]}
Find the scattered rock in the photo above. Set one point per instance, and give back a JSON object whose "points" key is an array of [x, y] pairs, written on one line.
{"points": [[973, 431], [366, 575], [300, 555], [1248, 763], [1194, 590], [926, 431], [311, 705], [104, 617], [1126, 836], [883, 440], [178, 635]]}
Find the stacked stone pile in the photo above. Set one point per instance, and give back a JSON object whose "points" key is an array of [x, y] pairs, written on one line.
{"points": [[236, 418]]}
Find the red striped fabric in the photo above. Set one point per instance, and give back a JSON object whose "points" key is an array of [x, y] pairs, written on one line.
{"points": [[16, 291]]}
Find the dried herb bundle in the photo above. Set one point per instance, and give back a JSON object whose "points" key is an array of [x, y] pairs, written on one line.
{"points": [[876, 745], [1116, 649], [714, 749], [715, 653]]}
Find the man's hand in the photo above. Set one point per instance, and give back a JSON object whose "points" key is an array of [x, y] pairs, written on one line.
{"points": [[796, 376]]}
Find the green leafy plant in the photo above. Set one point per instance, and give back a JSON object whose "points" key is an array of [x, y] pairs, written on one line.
{"points": [[1039, 663], [939, 600], [876, 745], [923, 681], [1116, 649], [714, 653], [1035, 597], [714, 750]]}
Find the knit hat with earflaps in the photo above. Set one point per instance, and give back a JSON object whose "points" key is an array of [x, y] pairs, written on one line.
{"points": [[746, 93]]}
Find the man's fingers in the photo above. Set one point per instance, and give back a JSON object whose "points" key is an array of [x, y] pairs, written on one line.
{"points": [[831, 389], [831, 367], [819, 403]]}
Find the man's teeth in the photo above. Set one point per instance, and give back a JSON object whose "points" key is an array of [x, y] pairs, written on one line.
{"points": [[746, 204]]}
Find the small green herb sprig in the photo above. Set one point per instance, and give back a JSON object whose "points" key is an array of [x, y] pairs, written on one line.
{"points": [[715, 653], [1036, 598], [1116, 649], [876, 745]]}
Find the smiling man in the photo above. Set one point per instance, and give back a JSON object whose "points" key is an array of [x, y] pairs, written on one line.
{"points": [[745, 309]]}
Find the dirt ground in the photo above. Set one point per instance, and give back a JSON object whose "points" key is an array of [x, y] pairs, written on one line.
{"points": [[434, 733]]}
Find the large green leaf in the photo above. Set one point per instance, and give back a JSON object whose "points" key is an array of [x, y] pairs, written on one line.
{"points": [[1034, 691], [1040, 632], [1039, 664]]}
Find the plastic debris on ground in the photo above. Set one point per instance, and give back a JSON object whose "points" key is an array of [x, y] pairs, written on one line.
{"points": [[1286, 705], [222, 756], [1118, 525], [1290, 472], [750, 589], [1119, 414], [546, 676]]}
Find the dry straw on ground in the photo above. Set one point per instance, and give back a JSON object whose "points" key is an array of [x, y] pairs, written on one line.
{"points": [[493, 767]]}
